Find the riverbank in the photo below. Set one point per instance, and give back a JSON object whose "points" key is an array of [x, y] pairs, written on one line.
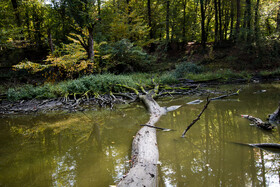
{"points": [[91, 92]]}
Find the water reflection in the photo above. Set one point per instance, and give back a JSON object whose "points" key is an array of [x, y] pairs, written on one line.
{"points": [[92, 149], [206, 157], [88, 149]]}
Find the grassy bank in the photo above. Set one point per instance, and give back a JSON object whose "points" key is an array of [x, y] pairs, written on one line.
{"points": [[106, 83]]}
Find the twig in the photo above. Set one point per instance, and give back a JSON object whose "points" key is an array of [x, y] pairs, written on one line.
{"points": [[164, 129], [198, 117], [205, 106], [223, 96]]}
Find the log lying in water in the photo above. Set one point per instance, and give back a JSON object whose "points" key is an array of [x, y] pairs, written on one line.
{"points": [[258, 122], [145, 153], [272, 147], [275, 116]]}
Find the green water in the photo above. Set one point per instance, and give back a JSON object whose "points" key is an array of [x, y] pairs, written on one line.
{"points": [[93, 149]]}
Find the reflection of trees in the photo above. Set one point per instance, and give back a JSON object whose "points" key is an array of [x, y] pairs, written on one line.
{"points": [[206, 157], [67, 150]]}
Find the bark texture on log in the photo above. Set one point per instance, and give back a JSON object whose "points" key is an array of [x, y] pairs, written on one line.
{"points": [[258, 122], [275, 116], [145, 154]]}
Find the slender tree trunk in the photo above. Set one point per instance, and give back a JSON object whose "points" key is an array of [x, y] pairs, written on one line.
{"points": [[231, 20], [238, 14], [50, 40], [167, 21], [90, 50], [257, 21], [220, 20], [16, 12], [151, 32], [184, 21], [216, 22], [150, 19], [37, 27], [278, 19], [226, 23], [27, 23], [203, 39], [249, 16], [129, 11], [99, 9]]}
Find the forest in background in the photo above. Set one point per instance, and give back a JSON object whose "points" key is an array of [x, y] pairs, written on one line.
{"points": [[57, 40]]}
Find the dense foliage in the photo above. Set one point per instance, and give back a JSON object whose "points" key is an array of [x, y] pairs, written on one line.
{"points": [[87, 37]]}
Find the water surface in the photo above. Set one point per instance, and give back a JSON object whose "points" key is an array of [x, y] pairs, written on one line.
{"points": [[93, 148]]}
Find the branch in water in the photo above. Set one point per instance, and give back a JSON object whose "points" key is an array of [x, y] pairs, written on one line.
{"points": [[198, 117], [205, 106]]}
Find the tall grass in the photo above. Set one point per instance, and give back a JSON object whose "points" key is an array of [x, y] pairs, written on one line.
{"points": [[105, 83], [94, 83]]}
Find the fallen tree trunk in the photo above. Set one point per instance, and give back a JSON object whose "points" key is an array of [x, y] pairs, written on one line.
{"points": [[145, 154], [272, 147], [258, 122], [275, 116]]}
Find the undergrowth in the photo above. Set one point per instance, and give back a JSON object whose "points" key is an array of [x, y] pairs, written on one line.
{"points": [[93, 84]]}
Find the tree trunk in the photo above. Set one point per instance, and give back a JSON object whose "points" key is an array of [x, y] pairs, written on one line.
{"points": [[216, 22], [248, 20], [226, 23], [16, 12], [231, 20], [278, 19], [150, 19], [27, 23], [257, 21], [50, 40], [238, 14], [90, 51], [151, 32], [203, 38], [220, 20], [184, 21], [167, 21], [145, 153]]}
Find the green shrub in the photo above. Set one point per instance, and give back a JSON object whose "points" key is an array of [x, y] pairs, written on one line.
{"points": [[30, 92], [167, 78], [123, 57], [185, 68]]}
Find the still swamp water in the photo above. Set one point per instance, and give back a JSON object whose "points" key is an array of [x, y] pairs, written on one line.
{"points": [[93, 148]]}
